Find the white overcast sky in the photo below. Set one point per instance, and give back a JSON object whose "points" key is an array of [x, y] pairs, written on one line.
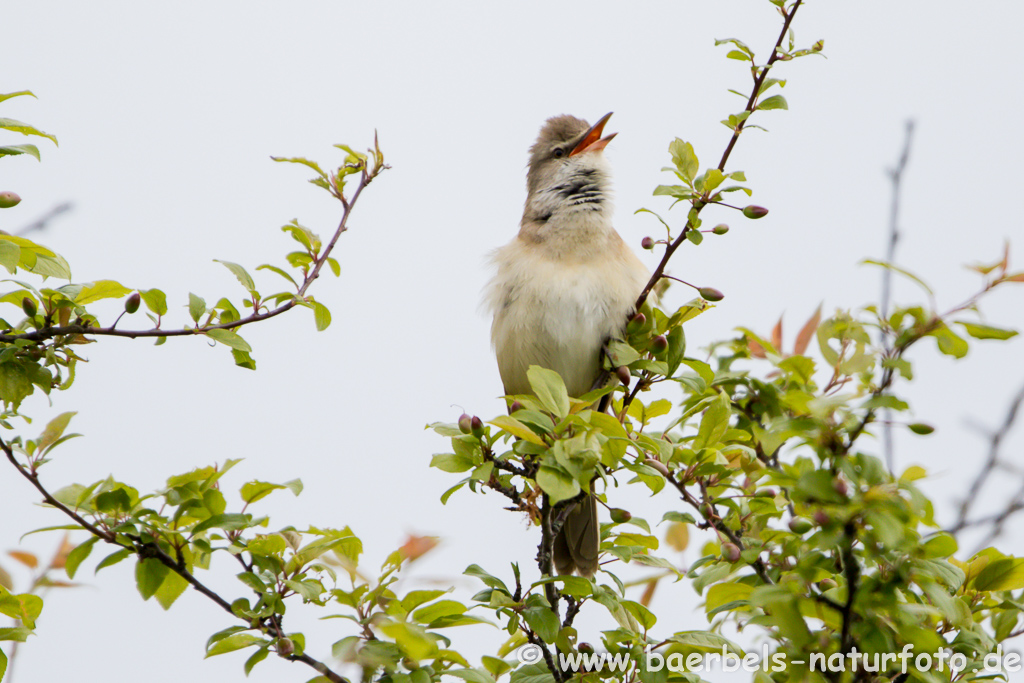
{"points": [[167, 115]]}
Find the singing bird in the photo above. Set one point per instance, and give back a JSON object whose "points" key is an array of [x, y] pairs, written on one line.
{"points": [[564, 286]]}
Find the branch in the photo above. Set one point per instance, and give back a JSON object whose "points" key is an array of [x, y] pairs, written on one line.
{"points": [[699, 204], [45, 333], [145, 548], [896, 175], [992, 462]]}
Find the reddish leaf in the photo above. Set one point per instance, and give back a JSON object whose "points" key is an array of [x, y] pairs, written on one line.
{"points": [[807, 332]]}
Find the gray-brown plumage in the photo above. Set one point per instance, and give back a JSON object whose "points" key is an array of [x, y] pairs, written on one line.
{"points": [[563, 287]]}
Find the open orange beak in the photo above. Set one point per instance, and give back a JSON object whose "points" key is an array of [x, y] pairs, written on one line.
{"points": [[592, 141]]}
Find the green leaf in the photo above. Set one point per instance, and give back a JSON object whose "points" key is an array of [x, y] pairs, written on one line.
{"points": [[322, 316], [773, 102], [20, 93], [196, 307], [112, 559], [24, 607], [78, 555], [705, 641], [101, 289], [229, 338], [1004, 574], [10, 256], [232, 643], [949, 342], [170, 590], [714, 423], [557, 483], [255, 490], [543, 622], [684, 159], [149, 574], [240, 273], [506, 422], [434, 611], [550, 389], [230, 521], [986, 332], [305, 162], [156, 301], [24, 129], [280, 272], [54, 430], [14, 150], [901, 271]]}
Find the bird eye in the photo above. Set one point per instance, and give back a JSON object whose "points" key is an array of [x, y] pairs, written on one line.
{"points": [[558, 153]]}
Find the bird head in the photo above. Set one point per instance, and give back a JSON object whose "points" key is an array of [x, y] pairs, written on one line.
{"points": [[567, 172]]}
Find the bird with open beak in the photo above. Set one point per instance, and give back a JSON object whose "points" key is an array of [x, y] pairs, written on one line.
{"points": [[564, 286]]}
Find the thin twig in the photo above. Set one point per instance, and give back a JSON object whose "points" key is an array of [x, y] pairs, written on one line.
{"points": [[896, 175], [64, 330], [699, 205]]}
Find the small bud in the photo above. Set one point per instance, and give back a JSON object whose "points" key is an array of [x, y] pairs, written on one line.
{"points": [[622, 372], [720, 229], [585, 648], [921, 428], [285, 647], [465, 425], [827, 584], [818, 46], [840, 486], [800, 525], [131, 304], [710, 294], [28, 304], [636, 322], [730, 552], [765, 493], [708, 511], [9, 199], [516, 405], [659, 344], [821, 518], [476, 425], [620, 516], [647, 243], [754, 211]]}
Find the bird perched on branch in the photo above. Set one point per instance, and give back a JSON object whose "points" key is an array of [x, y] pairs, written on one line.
{"points": [[564, 286]]}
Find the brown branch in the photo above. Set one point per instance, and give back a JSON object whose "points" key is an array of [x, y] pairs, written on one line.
{"points": [[896, 175], [144, 548], [48, 332], [992, 462], [699, 204]]}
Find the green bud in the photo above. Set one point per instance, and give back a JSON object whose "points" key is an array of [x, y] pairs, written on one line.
{"points": [[765, 493], [516, 405], [818, 46], [730, 552], [827, 584], [710, 294], [647, 243], [476, 425], [9, 199], [620, 516], [131, 304], [285, 647], [659, 344], [465, 424], [28, 304], [921, 428], [800, 525], [821, 518], [720, 229], [622, 372], [585, 648], [754, 211], [636, 322]]}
